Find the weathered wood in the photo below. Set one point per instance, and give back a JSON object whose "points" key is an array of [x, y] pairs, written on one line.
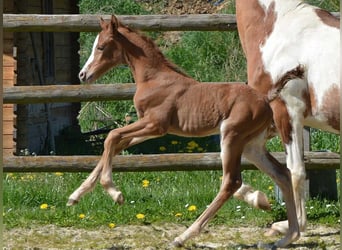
{"points": [[156, 162], [70, 93], [90, 23]]}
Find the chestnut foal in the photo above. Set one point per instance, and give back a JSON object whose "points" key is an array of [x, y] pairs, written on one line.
{"points": [[169, 101]]}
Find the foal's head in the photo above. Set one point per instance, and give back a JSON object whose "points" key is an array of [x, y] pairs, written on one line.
{"points": [[106, 53]]}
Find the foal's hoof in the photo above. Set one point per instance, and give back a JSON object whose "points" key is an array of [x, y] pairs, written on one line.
{"points": [[71, 202], [177, 243], [263, 202], [271, 232], [119, 198]]}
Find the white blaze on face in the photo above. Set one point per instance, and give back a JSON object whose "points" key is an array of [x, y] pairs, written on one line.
{"points": [[91, 57]]}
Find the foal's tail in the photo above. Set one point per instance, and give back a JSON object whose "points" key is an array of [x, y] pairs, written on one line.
{"points": [[296, 73]]}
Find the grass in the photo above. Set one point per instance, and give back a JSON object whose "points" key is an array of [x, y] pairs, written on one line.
{"points": [[159, 196]]}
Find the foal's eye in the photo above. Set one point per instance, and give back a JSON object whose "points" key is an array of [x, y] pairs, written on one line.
{"points": [[101, 48]]}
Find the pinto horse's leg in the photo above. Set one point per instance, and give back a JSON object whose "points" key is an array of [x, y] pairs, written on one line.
{"points": [[116, 141], [231, 159], [296, 165], [256, 153]]}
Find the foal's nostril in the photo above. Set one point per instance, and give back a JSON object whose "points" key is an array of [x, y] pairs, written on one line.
{"points": [[82, 76]]}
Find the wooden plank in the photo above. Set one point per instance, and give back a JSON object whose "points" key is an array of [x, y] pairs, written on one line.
{"points": [[78, 23], [8, 141], [8, 61], [8, 113], [8, 73], [7, 127], [90, 23], [159, 162], [8, 82], [8, 152], [70, 93]]}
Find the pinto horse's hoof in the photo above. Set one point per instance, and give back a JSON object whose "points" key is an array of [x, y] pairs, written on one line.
{"points": [[71, 202]]}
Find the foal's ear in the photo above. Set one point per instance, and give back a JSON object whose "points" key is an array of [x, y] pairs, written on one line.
{"points": [[102, 23], [115, 23]]}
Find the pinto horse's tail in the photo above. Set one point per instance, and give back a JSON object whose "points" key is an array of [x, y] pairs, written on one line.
{"points": [[296, 73]]}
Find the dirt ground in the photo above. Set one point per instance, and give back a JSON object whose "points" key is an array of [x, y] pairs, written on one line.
{"points": [[159, 237]]}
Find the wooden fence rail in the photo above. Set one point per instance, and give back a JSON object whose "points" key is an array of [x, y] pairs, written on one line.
{"points": [[90, 23], [155, 162], [70, 93], [77, 93]]}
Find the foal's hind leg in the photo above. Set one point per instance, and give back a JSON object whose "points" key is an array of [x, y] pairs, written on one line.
{"points": [[231, 160], [116, 141], [257, 154], [256, 198]]}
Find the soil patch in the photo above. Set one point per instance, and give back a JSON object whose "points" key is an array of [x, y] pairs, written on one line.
{"points": [[159, 236]]}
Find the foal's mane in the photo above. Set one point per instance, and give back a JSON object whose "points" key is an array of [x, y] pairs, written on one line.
{"points": [[151, 44]]}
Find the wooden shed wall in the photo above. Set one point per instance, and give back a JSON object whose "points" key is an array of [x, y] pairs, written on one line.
{"points": [[8, 79], [44, 59]]}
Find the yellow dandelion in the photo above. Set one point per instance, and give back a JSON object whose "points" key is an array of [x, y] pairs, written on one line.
{"points": [[174, 142], [44, 206], [145, 183], [162, 148], [192, 145], [81, 216], [178, 214], [270, 187], [111, 225], [140, 216], [59, 174], [192, 208]]}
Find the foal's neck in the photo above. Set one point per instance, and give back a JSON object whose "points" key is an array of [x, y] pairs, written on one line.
{"points": [[144, 58]]}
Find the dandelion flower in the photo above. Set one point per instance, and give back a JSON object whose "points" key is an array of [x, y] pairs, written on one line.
{"points": [[140, 216], [59, 174], [174, 142], [178, 214], [44, 206], [270, 187], [145, 183], [81, 216], [192, 208], [192, 145], [111, 225], [162, 148]]}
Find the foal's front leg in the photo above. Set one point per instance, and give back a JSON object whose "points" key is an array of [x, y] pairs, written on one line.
{"points": [[116, 141]]}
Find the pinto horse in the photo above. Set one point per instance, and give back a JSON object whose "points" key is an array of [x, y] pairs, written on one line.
{"points": [[169, 101], [277, 35]]}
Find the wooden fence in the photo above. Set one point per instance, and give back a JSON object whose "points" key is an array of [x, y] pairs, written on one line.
{"points": [[77, 93]]}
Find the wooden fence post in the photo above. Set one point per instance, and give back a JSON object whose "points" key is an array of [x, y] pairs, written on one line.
{"points": [[319, 183]]}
